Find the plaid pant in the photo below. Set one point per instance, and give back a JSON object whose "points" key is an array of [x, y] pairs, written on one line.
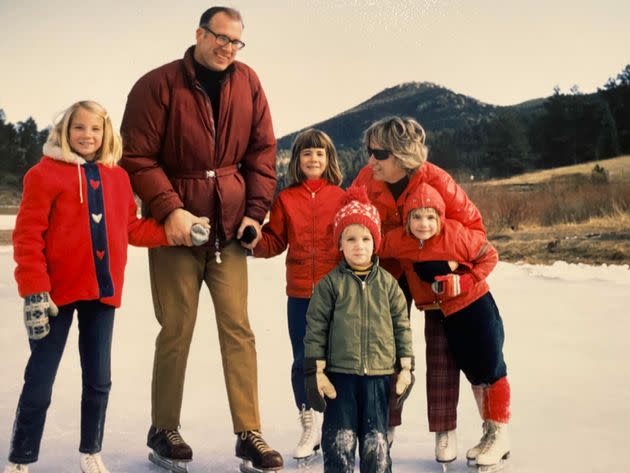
{"points": [[442, 375]]}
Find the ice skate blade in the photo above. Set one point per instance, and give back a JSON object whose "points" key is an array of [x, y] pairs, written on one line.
{"points": [[247, 467], [492, 468], [445, 463], [173, 466], [306, 462]]}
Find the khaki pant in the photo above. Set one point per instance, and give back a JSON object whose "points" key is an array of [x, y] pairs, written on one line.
{"points": [[176, 277]]}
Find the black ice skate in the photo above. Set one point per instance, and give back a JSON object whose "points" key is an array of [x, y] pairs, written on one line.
{"points": [[168, 450], [257, 456]]}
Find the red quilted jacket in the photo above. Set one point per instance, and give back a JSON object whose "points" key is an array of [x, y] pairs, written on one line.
{"points": [[302, 220], [177, 157], [72, 230], [458, 205], [454, 242]]}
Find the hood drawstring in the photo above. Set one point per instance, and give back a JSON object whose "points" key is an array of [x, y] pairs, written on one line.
{"points": [[80, 186]]}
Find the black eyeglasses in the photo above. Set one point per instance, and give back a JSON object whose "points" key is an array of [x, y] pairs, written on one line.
{"points": [[379, 154], [223, 40]]}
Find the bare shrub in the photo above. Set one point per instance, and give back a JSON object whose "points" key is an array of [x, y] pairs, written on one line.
{"points": [[599, 175], [565, 199], [500, 208]]}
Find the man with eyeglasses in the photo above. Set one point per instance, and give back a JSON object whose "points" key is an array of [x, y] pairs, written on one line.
{"points": [[198, 140]]}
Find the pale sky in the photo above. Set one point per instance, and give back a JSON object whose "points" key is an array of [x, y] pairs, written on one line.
{"points": [[315, 58]]}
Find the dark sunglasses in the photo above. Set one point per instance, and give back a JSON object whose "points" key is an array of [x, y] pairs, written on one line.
{"points": [[379, 154]]}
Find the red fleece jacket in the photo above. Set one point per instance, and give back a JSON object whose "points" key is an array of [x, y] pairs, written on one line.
{"points": [[53, 237]]}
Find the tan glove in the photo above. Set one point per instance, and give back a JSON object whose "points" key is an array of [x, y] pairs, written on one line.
{"points": [[317, 384], [404, 381]]}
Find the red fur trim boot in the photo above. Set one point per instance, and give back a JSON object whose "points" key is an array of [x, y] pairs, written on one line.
{"points": [[496, 446]]}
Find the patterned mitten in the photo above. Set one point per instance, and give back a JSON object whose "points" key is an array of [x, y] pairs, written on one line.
{"points": [[452, 285], [37, 308]]}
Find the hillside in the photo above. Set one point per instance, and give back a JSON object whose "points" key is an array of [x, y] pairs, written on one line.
{"points": [[435, 107], [618, 170]]}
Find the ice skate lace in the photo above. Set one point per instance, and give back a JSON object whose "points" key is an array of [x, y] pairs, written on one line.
{"points": [[174, 437], [257, 441], [488, 440], [443, 440], [484, 437], [16, 468], [93, 464], [306, 419]]}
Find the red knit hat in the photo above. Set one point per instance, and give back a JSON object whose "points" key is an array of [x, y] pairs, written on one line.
{"points": [[358, 210], [424, 196]]}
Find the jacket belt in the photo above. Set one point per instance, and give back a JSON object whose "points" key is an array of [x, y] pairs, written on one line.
{"points": [[206, 173]]}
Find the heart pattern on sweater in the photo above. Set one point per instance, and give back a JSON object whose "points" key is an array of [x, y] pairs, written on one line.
{"points": [[95, 184], [97, 217], [100, 254]]}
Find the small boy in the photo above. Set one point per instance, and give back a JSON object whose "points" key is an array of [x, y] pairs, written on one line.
{"points": [[446, 266], [358, 332]]}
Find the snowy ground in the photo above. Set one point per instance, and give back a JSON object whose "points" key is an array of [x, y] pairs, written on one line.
{"points": [[567, 352]]}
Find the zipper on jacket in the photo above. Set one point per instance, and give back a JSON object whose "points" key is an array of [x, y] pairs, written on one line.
{"points": [[313, 244], [211, 174]]}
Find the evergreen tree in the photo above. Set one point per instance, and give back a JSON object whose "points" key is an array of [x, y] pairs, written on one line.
{"points": [[507, 149]]}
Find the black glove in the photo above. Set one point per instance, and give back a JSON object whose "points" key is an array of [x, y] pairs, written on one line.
{"points": [[317, 384], [249, 234], [427, 270]]}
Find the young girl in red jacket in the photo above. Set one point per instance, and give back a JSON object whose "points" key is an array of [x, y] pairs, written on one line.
{"points": [[75, 220], [301, 219], [446, 266]]}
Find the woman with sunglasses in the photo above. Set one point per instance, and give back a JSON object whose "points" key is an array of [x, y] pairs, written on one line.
{"points": [[397, 165]]}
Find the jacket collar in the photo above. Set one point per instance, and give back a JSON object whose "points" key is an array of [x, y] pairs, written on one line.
{"points": [[345, 267], [189, 65], [54, 152]]}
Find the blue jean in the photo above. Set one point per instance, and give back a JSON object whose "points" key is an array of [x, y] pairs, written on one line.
{"points": [[358, 413], [296, 318], [475, 337], [96, 323]]}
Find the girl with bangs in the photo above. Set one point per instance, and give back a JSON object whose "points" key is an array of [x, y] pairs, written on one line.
{"points": [[301, 220]]}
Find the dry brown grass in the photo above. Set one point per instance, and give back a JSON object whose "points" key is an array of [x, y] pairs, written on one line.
{"points": [[618, 169], [566, 214]]}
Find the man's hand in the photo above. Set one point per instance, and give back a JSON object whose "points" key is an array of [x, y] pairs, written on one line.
{"points": [[247, 221], [178, 225]]}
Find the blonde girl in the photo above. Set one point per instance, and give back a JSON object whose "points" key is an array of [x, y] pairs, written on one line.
{"points": [[76, 217]]}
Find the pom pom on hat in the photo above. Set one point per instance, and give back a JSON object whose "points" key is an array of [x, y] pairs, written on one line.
{"points": [[358, 210]]}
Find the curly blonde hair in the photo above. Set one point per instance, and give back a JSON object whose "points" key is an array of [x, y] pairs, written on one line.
{"points": [[404, 137]]}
